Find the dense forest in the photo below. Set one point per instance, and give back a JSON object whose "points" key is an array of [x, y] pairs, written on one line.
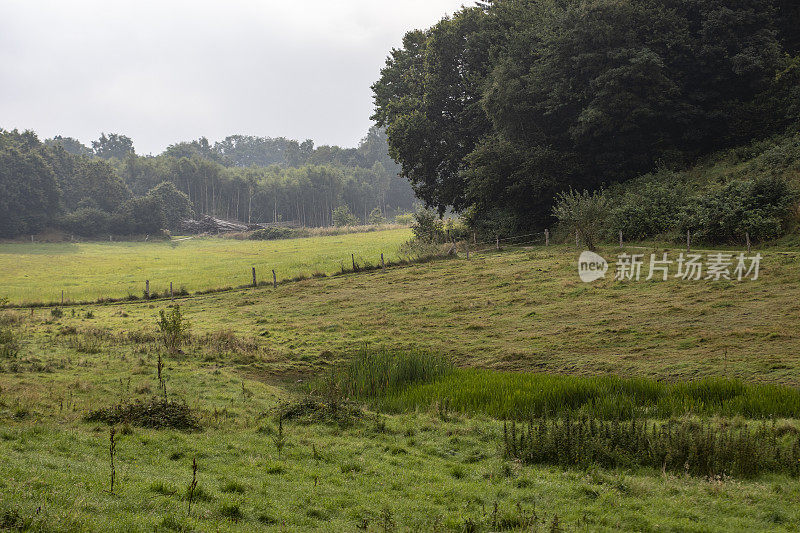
{"points": [[498, 109], [109, 189]]}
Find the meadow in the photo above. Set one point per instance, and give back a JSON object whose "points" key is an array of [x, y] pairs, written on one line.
{"points": [[38, 272], [305, 426]]}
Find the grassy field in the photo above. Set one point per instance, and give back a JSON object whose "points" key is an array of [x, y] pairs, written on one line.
{"points": [[414, 467], [88, 271]]}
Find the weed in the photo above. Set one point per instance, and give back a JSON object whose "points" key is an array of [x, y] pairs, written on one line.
{"points": [[231, 511], [155, 414], [112, 449], [192, 486], [56, 312], [279, 438]]}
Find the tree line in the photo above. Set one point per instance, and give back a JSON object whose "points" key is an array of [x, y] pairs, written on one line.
{"points": [[497, 109], [109, 189]]}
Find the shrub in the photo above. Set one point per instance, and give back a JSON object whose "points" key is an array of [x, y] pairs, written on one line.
{"points": [[652, 209], [9, 345], [87, 222], [342, 216], [705, 449], [428, 226], [404, 219], [176, 204], [376, 217], [156, 413], [762, 207], [583, 212], [144, 215], [274, 233], [173, 327]]}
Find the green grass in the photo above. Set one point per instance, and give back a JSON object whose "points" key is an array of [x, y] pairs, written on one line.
{"points": [[425, 469], [519, 395], [89, 271]]}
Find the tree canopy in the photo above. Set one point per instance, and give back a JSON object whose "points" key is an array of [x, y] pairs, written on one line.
{"points": [[498, 108]]}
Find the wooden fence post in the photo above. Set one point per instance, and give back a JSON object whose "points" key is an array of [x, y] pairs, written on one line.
{"points": [[547, 237], [467, 250], [274, 280], [255, 283], [62, 296], [577, 239], [497, 242], [353, 257], [147, 289], [747, 235], [620, 238], [688, 241], [383, 265]]}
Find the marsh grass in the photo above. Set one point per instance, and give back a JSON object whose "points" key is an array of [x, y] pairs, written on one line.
{"points": [[703, 448], [398, 381]]}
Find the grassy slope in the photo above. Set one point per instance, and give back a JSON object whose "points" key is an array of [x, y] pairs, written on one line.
{"points": [[517, 310], [522, 309], [39, 272]]}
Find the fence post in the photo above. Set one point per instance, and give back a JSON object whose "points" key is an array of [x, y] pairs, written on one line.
{"points": [[383, 265], [62, 296], [747, 235], [620, 238], [171, 293], [577, 240], [274, 280], [497, 242], [255, 284], [353, 257], [688, 241], [468, 250], [147, 289], [547, 237]]}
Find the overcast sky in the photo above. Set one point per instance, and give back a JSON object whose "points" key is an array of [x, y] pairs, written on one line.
{"points": [[168, 71]]}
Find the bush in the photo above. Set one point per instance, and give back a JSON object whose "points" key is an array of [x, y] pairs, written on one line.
{"points": [[404, 218], [9, 345], [140, 216], [583, 212], [155, 414], [86, 222], [652, 209], [342, 216], [174, 328], [762, 207], [376, 217], [274, 233], [176, 204], [428, 226], [709, 449]]}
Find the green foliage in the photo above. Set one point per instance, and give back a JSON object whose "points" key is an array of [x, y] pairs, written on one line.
{"points": [[509, 395], [374, 373], [583, 212], [273, 233], [174, 328], [376, 217], [9, 344], [140, 216], [428, 226], [503, 106], [175, 204], [405, 219], [113, 145], [342, 216], [87, 222], [703, 449], [763, 207], [652, 208], [155, 413], [28, 188]]}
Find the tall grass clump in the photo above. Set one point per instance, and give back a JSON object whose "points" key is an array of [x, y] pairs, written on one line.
{"points": [[373, 374], [517, 395], [686, 446]]}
